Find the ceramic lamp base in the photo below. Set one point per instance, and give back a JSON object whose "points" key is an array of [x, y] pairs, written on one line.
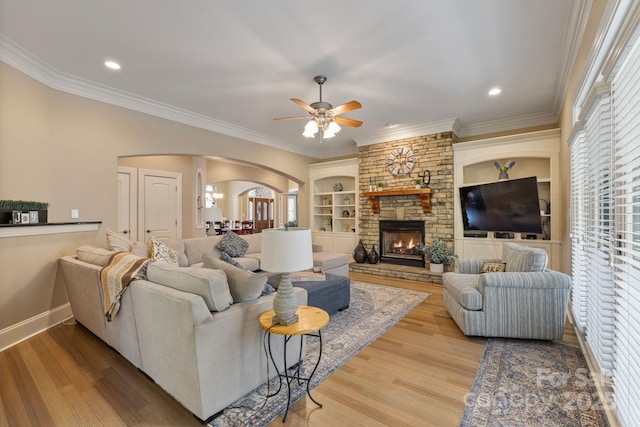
{"points": [[285, 303]]}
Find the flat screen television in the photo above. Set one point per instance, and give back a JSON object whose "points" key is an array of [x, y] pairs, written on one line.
{"points": [[503, 206]]}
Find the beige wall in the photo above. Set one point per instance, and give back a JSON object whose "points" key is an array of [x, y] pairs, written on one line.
{"points": [[64, 149]]}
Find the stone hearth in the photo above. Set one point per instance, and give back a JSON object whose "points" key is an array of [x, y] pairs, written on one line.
{"points": [[433, 153]]}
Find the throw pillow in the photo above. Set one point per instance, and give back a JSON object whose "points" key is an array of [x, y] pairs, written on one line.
{"points": [[268, 289], [244, 285], [233, 244], [118, 242], [226, 258], [93, 255], [141, 250], [161, 251], [493, 267], [211, 285]]}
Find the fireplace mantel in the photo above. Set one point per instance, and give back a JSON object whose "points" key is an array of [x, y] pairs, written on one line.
{"points": [[424, 193]]}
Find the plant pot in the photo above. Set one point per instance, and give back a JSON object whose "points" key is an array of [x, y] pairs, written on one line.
{"points": [[503, 175], [436, 268], [418, 186]]}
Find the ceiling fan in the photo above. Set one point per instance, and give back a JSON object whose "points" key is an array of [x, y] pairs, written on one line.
{"points": [[324, 116]]}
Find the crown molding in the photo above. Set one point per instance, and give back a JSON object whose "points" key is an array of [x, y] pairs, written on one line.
{"points": [[578, 22], [511, 123], [401, 132], [19, 58]]}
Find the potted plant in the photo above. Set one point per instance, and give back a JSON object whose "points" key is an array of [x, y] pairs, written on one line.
{"points": [[380, 185], [417, 183], [438, 255]]}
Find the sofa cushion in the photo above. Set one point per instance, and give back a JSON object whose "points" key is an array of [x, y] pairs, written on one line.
{"points": [[248, 262], [211, 285], [244, 285], [195, 247], [520, 258], [464, 289], [93, 255], [232, 244], [329, 260], [255, 243]]}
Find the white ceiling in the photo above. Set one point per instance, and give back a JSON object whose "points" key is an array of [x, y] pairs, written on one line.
{"points": [[231, 66]]}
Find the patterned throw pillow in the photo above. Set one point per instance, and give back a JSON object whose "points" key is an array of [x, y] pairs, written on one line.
{"points": [[233, 245], [226, 258], [493, 267], [161, 251]]}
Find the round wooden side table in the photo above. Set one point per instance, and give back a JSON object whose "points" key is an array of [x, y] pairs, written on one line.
{"points": [[310, 322]]}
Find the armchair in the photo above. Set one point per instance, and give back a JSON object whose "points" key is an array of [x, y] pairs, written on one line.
{"points": [[525, 301]]}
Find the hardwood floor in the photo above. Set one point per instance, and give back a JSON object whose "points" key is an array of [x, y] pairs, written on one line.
{"points": [[416, 374]]}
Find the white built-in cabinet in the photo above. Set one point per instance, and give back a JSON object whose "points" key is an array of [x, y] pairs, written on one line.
{"points": [[536, 154], [334, 204]]}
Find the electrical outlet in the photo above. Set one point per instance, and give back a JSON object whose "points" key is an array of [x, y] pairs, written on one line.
{"points": [[75, 213]]}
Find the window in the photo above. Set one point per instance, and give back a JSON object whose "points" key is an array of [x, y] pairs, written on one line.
{"points": [[605, 224]]}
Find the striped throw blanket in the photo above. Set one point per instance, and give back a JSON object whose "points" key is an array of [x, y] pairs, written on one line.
{"points": [[115, 279]]}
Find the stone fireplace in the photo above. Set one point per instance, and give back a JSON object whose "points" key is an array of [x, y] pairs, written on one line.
{"points": [[398, 240], [433, 153]]}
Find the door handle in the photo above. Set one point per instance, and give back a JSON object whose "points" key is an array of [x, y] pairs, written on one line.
{"points": [[148, 231], [125, 231]]}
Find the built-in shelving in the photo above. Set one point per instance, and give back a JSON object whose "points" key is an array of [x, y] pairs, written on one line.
{"points": [[334, 204], [536, 154]]}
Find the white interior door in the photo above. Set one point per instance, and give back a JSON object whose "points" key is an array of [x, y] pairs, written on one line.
{"points": [[127, 201], [160, 205]]}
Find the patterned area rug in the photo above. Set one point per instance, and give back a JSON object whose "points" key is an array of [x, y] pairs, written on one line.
{"points": [[533, 383], [373, 310]]}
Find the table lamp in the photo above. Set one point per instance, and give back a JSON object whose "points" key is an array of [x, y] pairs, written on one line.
{"points": [[285, 250]]}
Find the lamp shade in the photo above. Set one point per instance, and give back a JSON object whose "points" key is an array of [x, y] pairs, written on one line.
{"points": [[286, 250]]}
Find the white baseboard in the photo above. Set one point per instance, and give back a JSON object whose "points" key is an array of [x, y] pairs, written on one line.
{"points": [[26, 329]]}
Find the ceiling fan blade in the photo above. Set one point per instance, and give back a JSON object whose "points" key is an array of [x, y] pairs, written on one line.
{"points": [[345, 108], [348, 122], [292, 118], [304, 105]]}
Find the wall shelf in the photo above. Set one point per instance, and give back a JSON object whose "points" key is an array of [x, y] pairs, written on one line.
{"points": [[17, 230], [424, 193]]}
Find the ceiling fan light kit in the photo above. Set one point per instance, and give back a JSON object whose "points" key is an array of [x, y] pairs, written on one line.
{"points": [[323, 117]]}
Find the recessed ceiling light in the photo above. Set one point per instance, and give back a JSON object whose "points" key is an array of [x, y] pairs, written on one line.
{"points": [[112, 64], [495, 91]]}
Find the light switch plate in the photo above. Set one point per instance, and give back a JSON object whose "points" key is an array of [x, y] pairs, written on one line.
{"points": [[75, 213]]}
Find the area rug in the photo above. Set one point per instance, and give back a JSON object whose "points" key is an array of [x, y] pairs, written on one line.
{"points": [[533, 383], [373, 310]]}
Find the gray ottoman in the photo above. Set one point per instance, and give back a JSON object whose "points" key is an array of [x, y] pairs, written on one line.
{"points": [[332, 295]]}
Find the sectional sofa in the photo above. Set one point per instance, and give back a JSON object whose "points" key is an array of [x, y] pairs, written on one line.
{"points": [[192, 330]]}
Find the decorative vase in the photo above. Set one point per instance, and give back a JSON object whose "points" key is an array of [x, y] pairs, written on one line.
{"points": [[503, 175], [359, 254], [436, 268], [373, 256]]}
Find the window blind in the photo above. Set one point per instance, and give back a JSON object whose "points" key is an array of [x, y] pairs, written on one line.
{"points": [[598, 223], [579, 292], [626, 253]]}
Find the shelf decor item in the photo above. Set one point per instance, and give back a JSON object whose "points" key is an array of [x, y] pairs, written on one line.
{"points": [[373, 256], [359, 254], [438, 255], [504, 169], [338, 187], [11, 211]]}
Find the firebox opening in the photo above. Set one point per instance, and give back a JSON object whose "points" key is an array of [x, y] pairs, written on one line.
{"points": [[398, 240]]}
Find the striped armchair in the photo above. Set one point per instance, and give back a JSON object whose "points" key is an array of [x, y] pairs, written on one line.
{"points": [[525, 301]]}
